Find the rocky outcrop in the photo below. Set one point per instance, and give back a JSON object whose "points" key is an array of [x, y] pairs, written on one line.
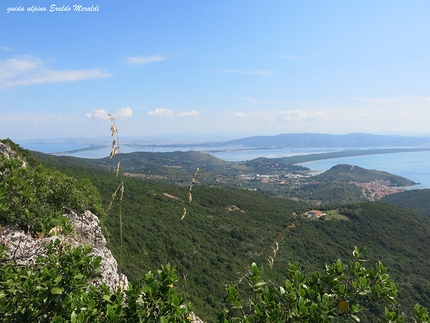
{"points": [[25, 248], [8, 152]]}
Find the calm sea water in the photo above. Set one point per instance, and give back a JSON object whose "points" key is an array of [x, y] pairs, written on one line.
{"points": [[50, 148], [414, 165]]}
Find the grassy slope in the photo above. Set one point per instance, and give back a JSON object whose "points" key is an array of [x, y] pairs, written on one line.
{"points": [[213, 246]]}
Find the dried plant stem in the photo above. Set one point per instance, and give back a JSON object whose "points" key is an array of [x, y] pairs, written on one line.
{"points": [[275, 246], [190, 196], [120, 229], [120, 188]]}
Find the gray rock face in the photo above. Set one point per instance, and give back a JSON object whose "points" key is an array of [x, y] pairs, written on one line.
{"points": [[8, 152], [25, 248], [87, 231]]}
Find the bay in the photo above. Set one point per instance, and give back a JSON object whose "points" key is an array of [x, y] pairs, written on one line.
{"points": [[411, 165]]}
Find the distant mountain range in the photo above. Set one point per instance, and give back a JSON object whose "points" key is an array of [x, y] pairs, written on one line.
{"points": [[326, 140]]}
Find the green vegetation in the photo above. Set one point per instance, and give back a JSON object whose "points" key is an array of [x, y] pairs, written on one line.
{"points": [[275, 177], [342, 291], [417, 200], [334, 214], [348, 173], [34, 197], [57, 288], [227, 229]]}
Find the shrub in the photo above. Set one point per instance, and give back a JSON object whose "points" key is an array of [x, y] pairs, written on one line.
{"points": [[34, 198], [341, 292], [56, 288]]}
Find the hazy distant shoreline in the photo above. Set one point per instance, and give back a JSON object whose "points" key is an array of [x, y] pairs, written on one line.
{"points": [[293, 155], [412, 163], [303, 159]]}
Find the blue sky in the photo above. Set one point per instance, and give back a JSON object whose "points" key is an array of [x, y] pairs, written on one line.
{"points": [[221, 68]]}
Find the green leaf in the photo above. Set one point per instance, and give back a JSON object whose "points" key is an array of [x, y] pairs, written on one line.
{"points": [[175, 300], [304, 310], [56, 291]]}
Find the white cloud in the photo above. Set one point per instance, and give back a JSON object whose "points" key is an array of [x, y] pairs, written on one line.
{"points": [[139, 60], [295, 115], [167, 113], [6, 49], [123, 113], [161, 113], [192, 113], [27, 70], [101, 114], [238, 114], [406, 115]]}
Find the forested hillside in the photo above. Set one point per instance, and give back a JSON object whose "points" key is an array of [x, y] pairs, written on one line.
{"points": [[417, 200], [224, 230], [347, 173]]}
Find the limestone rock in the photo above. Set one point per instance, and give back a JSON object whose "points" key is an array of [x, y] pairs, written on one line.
{"points": [[8, 152], [25, 248], [87, 231]]}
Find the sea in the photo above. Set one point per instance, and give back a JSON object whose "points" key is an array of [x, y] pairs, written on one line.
{"points": [[411, 165]]}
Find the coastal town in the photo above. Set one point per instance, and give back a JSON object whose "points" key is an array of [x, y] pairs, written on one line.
{"points": [[373, 190], [376, 190]]}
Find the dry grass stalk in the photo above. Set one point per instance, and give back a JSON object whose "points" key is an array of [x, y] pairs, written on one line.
{"points": [[275, 247], [120, 188], [190, 196], [115, 146], [117, 168], [271, 261], [113, 152], [184, 214], [121, 191]]}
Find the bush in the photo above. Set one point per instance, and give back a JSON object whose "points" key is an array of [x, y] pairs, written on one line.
{"points": [[56, 288], [341, 292], [34, 198]]}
